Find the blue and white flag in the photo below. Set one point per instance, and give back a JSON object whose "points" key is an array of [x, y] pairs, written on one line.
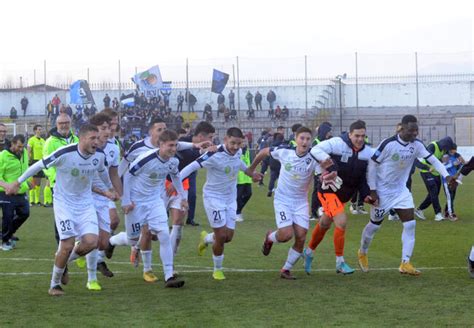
{"points": [[128, 102], [149, 81], [80, 93], [219, 81]]}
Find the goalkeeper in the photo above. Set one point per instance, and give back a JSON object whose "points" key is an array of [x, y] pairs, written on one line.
{"points": [[350, 157]]}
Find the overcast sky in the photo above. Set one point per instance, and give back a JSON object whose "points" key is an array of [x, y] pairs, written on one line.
{"points": [[274, 35]]}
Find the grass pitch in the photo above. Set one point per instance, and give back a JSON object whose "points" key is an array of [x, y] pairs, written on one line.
{"points": [[253, 294]]}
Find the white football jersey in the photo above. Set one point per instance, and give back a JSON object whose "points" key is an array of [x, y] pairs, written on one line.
{"points": [[296, 173], [75, 173], [395, 159], [222, 171], [112, 154], [145, 179]]}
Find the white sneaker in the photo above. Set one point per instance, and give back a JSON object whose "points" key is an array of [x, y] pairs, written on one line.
{"points": [[419, 213], [439, 217], [394, 217], [362, 210], [239, 218], [354, 209]]}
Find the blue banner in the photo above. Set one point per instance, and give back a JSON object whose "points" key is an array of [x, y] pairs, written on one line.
{"points": [[80, 93], [219, 81]]}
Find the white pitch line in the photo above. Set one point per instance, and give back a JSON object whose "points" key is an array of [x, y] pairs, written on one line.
{"points": [[198, 269]]}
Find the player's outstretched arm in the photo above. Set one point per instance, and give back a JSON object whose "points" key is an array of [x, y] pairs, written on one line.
{"points": [[439, 167], [188, 169], [262, 154], [32, 170]]}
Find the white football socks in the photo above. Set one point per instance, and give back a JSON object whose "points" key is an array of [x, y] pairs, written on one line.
{"points": [[293, 257], [471, 256], [57, 275], [146, 258], [367, 236], [175, 236], [218, 259], [209, 240], [166, 253], [91, 259], [408, 240], [119, 239]]}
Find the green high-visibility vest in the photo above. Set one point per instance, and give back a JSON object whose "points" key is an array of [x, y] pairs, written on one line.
{"points": [[243, 178], [12, 167], [438, 154]]}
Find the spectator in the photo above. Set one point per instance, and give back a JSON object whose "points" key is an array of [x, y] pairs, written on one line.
{"points": [[187, 127], [249, 98], [271, 98], [251, 114], [49, 109], [271, 113], [226, 114], [106, 101], [220, 99], [69, 111], [231, 99], [56, 102], [166, 97], [220, 109], [258, 100], [274, 165], [191, 100], [180, 101], [207, 114], [233, 115], [24, 105], [62, 109], [115, 104], [285, 113], [277, 112], [181, 133], [13, 113]]}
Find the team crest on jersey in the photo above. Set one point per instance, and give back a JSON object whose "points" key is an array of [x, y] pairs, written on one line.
{"points": [[153, 176], [95, 161], [308, 160], [227, 170], [111, 153], [288, 166], [395, 157], [75, 172], [412, 150]]}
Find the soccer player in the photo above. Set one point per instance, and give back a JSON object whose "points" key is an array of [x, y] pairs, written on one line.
{"points": [[220, 194], [350, 157], [387, 174], [35, 153], [15, 208], [102, 196], [113, 153], [155, 129], [291, 196], [74, 212], [142, 202], [203, 133]]}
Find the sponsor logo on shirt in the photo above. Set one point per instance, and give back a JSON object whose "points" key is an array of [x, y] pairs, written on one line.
{"points": [[395, 157], [75, 172]]}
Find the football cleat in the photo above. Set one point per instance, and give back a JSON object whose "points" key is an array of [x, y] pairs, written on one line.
{"points": [[363, 261], [202, 246], [408, 268], [344, 268], [149, 276], [218, 275], [286, 274], [81, 262], [56, 291], [93, 285], [267, 244], [102, 268], [419, 213], [174, 282], [308, 260]]}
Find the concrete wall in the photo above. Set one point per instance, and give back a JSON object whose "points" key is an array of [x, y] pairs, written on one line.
{"points": [[370, 95]]}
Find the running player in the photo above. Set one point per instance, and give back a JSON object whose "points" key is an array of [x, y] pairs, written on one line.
{"points": [[75, 215], [291, 196], [220, 194], [388, 172], [350, 156], [142, 203]]}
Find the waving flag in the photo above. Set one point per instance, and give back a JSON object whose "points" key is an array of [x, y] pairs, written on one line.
{"points": [[149, 81], [219, 80], [80, 93]]}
